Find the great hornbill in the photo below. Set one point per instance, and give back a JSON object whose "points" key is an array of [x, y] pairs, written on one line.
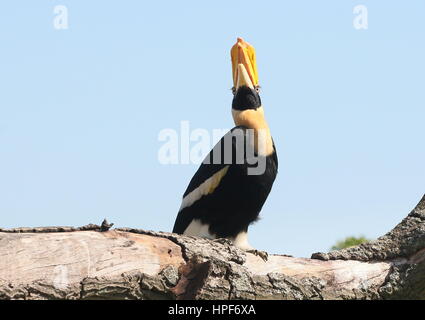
{"points": [[229, 189]]}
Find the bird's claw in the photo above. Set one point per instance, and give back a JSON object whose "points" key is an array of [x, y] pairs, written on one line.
{"points": [[223, 241], [262, 254]]}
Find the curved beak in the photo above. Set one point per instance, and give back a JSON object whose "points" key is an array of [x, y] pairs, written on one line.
{"points": [[244, 65]]}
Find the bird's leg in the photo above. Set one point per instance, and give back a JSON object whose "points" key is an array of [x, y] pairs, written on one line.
{"points": [[262, 254], [241, 241]]}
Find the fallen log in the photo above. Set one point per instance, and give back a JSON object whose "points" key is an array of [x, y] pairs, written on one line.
{"points": [[93, 262]]}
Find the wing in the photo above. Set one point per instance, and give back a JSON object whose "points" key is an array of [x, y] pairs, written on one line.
{"points": [[222, 158]]}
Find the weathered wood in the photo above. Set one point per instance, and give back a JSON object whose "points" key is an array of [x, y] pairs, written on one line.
{"points": [[91, 263]]}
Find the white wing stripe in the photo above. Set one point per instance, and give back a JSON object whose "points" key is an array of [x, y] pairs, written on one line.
{"points": [[207, 187]]}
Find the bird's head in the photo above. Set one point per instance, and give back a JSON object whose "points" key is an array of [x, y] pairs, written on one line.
{"points": [[245, 77]]}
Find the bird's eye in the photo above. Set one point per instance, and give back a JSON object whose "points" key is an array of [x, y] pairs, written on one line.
{"points": [[233, 90]]}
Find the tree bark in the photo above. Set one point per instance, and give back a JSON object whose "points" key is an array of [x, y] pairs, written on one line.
{"points": [[92, 262]]}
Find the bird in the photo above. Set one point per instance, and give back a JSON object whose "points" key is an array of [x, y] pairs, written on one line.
{"points": [[229, 189]]}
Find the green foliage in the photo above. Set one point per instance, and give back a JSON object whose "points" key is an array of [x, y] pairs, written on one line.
{"points": [[349, 242]]}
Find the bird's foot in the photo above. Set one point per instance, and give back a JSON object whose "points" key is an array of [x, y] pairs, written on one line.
{"points": [[262, 254], [223, 241]]}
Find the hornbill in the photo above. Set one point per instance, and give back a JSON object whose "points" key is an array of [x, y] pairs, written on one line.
{"points": [[229, 189]]}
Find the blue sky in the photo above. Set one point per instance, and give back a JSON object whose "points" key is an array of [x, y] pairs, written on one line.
{"points": [[81, 110]]}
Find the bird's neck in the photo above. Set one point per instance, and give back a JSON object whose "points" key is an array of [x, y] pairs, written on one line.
{"points": [[255, 119]]}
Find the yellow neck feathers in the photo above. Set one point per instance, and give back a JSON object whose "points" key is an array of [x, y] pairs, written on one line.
{"points": [[254, 119]]}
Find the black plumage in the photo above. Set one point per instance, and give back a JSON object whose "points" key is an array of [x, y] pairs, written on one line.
{"points": [[237, 200]]}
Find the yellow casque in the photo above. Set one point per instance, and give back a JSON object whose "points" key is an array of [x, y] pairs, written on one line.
{"points": [[244, 53]]}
